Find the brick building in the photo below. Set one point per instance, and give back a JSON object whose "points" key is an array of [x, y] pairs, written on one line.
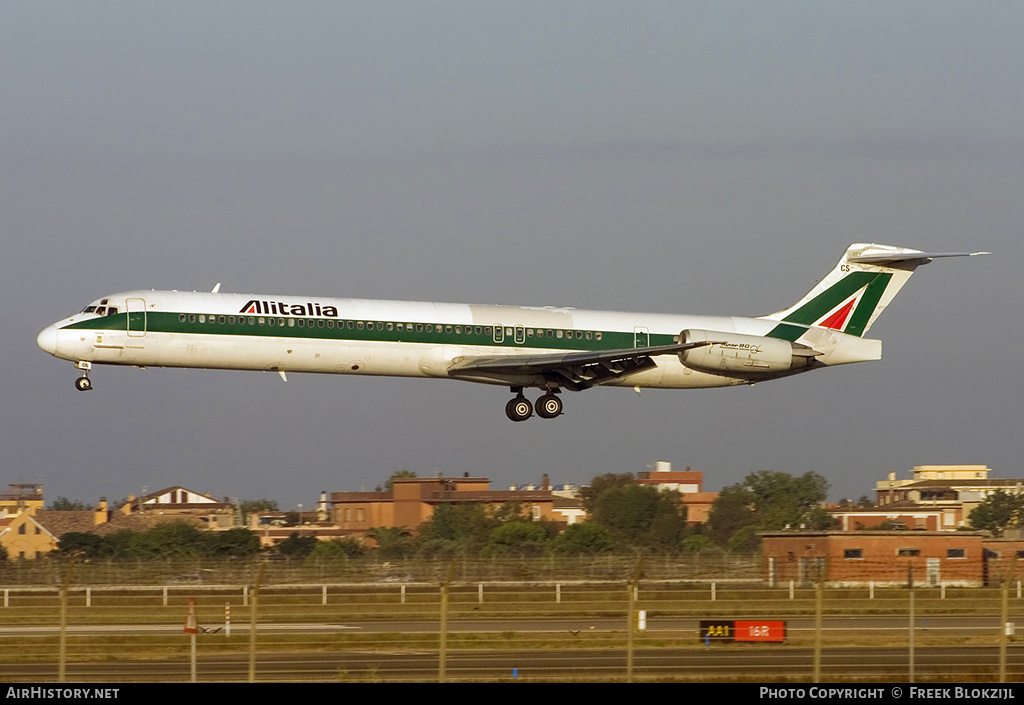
{"points": [[414, 499], [882, 558]]}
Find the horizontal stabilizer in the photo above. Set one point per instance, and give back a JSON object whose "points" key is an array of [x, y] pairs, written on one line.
{"points": [[909, 256]]}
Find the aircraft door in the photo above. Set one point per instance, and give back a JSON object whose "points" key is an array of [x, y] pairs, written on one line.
{"points": [[136, 323]]}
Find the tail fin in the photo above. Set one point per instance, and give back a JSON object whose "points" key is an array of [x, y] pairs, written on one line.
{"points": [[866, 279]]}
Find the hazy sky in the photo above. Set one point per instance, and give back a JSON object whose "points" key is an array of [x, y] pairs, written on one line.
{"points": [[691, 157]]}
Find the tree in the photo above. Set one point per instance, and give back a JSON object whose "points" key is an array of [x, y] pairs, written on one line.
{"points": [[233, 543], [731, 511], [63, 504], [998, 512], [251, 506], [455, 529], [641, 516], [389, 486], [768, 501], [80, 545], [600, 483], [335, 550], [392, 541], [296, 546], [584, 539], [516, 538]]}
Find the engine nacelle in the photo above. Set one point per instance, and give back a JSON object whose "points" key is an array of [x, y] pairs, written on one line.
{"points": [[735, 352]]}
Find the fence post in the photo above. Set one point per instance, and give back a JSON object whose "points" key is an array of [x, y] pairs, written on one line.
{"points": [[442, 652], [252, 622], [62, 657], [1004, 617], [634, 586], [910, 587], [819, 601]]}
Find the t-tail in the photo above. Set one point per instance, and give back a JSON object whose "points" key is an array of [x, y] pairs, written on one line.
{"points": [[852, 296]]}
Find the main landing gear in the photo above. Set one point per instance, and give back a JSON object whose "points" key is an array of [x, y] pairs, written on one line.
{"points": [[83, 383], [519, 407]]}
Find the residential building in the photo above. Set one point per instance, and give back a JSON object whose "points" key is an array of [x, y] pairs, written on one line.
{"points": [[21, 496], [689, 483], [414, 500], [181, 501]]}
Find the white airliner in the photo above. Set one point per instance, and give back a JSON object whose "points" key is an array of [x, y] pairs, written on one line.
{"points": [[519, 347]]}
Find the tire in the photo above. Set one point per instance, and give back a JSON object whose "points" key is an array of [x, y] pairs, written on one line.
{"points": [[83, 384], [519, 409], [549, 406]]}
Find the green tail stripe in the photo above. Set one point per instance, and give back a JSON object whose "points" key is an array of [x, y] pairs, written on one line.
{"points": [[868, 302], [827, 300]]}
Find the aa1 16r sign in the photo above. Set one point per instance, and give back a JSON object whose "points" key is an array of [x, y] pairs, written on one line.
{"points": [[742, 630]]}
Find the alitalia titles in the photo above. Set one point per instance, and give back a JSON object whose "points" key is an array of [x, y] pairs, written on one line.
{"points": [[280, 308]]}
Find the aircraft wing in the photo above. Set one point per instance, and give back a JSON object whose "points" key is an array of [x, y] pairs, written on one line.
{"points": [[574, 371]]}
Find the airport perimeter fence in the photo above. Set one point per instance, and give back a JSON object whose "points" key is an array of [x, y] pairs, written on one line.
{"points": [[709, 619]]}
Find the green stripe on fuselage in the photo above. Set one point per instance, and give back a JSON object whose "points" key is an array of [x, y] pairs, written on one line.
{"points": [[337, 329]]}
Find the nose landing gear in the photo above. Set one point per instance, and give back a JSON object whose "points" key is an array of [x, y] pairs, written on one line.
{"points": [[83, 383]]}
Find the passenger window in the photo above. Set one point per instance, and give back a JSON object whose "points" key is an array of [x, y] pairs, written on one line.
{"points": [[231, 320], [202, 318], [320, 323], [302, 323], [191, 318], [181, 318]]}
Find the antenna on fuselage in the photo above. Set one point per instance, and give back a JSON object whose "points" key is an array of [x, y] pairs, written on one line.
{"points": [[216, 288]]}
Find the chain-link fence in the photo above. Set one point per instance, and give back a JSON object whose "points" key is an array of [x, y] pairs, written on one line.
{"points": [[599, 619]]}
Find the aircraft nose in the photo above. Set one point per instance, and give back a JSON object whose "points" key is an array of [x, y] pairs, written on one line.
{"points": [[47, 339]]}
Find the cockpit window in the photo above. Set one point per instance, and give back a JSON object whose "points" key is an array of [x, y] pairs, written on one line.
{"points": [[88, 309], [111, 310], [101, 310]]}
